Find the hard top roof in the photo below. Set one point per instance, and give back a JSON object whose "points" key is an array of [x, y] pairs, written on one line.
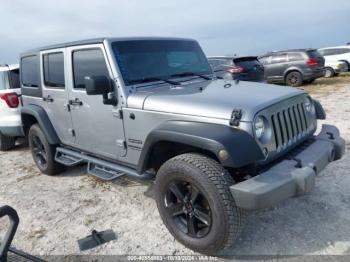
{"points": [[101, 40]]}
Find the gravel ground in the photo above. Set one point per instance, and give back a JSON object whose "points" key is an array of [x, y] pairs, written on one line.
{"points": [[56, 211]]}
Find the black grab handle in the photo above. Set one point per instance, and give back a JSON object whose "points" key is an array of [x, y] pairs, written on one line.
{"points": [[14, 221]]}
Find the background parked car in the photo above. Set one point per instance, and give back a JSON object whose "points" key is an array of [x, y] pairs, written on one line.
{"points": [[293, 67], [10, 118], [333, 67], [341, 53], [245, 68]]}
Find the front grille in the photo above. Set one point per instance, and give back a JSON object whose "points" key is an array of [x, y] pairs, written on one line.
{"points": [[289, 125]]}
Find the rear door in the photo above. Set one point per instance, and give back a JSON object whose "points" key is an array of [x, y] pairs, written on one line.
{"points": [[98, 127], [55, 95], [275, 70]]}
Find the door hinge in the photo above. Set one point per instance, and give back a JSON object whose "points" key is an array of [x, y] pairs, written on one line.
{"points": [[71, 131], [67, 107], [118, 113], [121, 143]]}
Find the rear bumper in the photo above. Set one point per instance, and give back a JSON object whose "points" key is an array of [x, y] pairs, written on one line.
{"points": [[293, 175], [314, 74], [11, 131]]}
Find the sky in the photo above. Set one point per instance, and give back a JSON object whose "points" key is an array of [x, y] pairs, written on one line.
{"points": [[222, 27]]}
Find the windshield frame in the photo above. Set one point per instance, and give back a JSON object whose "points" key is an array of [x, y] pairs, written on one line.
{"points": [[197, 50]]}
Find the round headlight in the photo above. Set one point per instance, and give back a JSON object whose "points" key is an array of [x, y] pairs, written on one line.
{"points": [[259, 127], [308, 104]]}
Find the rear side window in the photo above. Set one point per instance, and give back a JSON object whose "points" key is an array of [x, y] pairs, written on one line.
{"points": [[14, 78], [29, 71], [295, 57], [53, 67], [89, 62], [334, 51], [279, 59]]}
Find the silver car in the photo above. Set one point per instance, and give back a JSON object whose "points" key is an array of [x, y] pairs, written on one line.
{"points": [[151, 108]]}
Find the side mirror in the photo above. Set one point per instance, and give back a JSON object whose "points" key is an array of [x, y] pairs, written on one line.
{"points": [[101, 85], [97, 85]]}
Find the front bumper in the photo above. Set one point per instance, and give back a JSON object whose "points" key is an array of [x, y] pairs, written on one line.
{"points": [[294, 175]]}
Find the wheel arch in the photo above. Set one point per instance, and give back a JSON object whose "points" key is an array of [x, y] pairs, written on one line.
{"points": [[33, 114], [177, 137], [290, 70]]}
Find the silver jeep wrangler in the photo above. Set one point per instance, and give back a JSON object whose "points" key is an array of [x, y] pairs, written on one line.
{"points": [[152, 108]]}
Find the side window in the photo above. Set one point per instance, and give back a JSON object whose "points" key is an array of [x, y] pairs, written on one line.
{"points": [[90, 62], [279, 59], [53, 67], [29, 71], [295, 57]]}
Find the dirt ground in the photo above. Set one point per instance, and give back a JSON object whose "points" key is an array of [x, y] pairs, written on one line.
{"points": [[56, 211]]}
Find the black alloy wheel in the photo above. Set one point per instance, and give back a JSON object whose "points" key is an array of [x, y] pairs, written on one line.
{"points": [[189, 208]]}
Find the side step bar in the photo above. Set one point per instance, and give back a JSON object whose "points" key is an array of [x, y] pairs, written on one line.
{"points": [[99, 168]]}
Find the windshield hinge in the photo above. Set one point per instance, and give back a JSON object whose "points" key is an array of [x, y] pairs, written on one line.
{"points": [[236, 117]]}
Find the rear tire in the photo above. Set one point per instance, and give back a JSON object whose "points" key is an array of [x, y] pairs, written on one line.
{"points": [[7, 142], [207, 221], [43, 153], [329, 72], [294, 79]]}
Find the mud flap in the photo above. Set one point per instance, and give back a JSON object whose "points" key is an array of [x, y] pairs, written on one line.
{"points": [[96, 239]]}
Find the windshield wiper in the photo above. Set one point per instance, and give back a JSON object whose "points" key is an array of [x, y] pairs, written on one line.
{"points": [[192, 74], [152, 79]]}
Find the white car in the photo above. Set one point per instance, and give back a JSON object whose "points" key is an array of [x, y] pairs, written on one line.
{"points": [[334, 67], [10, 118], [337, 53]]}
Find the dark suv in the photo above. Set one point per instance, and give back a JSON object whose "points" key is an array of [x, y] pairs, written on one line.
{"points": [[245, 68], [293, 67]]}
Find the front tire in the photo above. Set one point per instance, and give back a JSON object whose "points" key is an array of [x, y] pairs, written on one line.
{"points": [[294, 79], [196, 205], [7, 142], [43, 153]]}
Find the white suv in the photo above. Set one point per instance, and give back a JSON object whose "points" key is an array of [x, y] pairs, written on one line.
{"points": [[10, 118], [338, 53]]}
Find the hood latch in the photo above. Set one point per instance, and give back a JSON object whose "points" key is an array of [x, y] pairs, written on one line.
{"points": [[236, 117]]}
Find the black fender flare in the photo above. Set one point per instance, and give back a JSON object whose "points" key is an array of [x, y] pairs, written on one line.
{"points": [[241, 146], [320, 112], [43, 120]]}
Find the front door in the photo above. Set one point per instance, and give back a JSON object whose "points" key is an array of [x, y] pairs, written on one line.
{"points": [[98, 128], [55, 94]]}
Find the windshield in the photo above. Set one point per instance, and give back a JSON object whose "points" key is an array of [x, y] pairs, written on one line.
{"points": [[247, 62], [159, 59]]}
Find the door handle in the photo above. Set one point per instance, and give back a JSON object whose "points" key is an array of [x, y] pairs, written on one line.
{"points": [[48, 99], [75, 102]]}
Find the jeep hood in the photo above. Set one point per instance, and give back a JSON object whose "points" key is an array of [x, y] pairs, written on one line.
{"points": [[213, 99]]}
